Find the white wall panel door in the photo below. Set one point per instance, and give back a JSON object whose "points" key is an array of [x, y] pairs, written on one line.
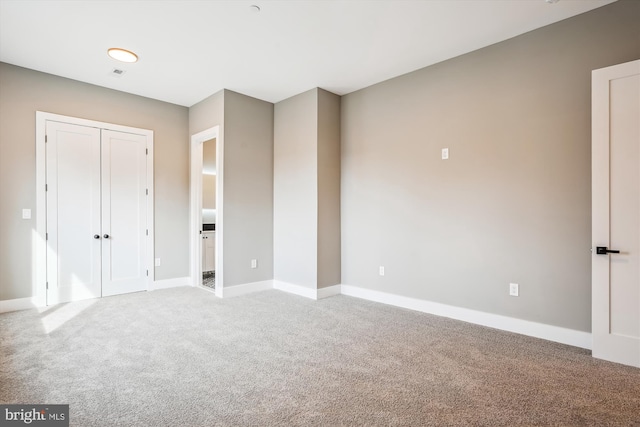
{"points": [[96, 212], [124, 219], [73, 212], [616, 213]]}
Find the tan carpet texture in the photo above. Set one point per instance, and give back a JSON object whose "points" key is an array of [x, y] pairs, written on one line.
{"points": [[182, 357]]}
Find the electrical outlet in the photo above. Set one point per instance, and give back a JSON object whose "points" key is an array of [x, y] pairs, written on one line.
{"points": [[157, 262], [514, 289], [254, 263], [445, 154], [381, 270], [26, 213]]}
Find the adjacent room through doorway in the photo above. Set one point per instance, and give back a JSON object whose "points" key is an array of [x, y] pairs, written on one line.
{"points": [[209, 174]]}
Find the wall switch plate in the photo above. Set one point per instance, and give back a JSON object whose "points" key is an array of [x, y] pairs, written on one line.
{"points": [[514, 289], [445, 153], [26, 213], [381, 270], [254, 263], [157, 262]]}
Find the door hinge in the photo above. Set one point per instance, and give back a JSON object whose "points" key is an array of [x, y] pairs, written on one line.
{"points": [[146, 151], [147, 191], [46, 236], [47, 285], [147, 273], [46, 187], [45, 139], [147, 231]]}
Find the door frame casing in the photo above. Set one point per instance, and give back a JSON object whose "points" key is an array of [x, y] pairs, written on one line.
{"points": [[39, 254], [195, 154]]}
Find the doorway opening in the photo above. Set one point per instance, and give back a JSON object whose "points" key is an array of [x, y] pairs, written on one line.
{"points": [[207, 210], [209, 175]]}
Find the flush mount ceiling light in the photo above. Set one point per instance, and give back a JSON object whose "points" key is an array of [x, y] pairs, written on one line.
{"points": [[122, 55]]}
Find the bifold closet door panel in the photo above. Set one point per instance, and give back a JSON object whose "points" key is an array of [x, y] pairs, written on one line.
{"points": [[124, 219], [73, 212]]}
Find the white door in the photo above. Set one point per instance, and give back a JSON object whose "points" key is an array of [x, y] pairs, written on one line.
{"points": [[96, 212], [616, 213], [73, 212], [124, 219]]}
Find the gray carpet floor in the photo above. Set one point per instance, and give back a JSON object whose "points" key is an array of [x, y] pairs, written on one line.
{"points": [[182, 357]]}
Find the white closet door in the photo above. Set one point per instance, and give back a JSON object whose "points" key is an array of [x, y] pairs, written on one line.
{"points": [[73, 212], [616, 213], [124, 219]]}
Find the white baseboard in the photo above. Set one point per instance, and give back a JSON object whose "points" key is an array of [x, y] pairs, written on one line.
{"points": [[22, 304], [524, 327], [295, 289], [247, 288], [328, 291], [170, 283], [303, 291]]}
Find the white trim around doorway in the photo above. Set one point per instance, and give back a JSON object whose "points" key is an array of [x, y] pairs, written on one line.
{"points": [[195, 150]]}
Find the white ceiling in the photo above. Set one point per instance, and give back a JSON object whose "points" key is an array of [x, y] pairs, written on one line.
{"points": [[191, 49]]}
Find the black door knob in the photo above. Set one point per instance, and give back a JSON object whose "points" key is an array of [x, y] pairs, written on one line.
{"points": [[96, 236], [106, 236], [603, 250]]}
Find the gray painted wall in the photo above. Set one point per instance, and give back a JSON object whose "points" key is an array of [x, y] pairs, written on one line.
{"points": [[329, 258], [248, 189], [246, 130], [207, 113], [307, 189], [22, 93], [512, 204], [295, 190]]}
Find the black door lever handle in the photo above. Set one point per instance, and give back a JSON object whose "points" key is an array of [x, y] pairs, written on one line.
{"points": [[602, 250]]}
